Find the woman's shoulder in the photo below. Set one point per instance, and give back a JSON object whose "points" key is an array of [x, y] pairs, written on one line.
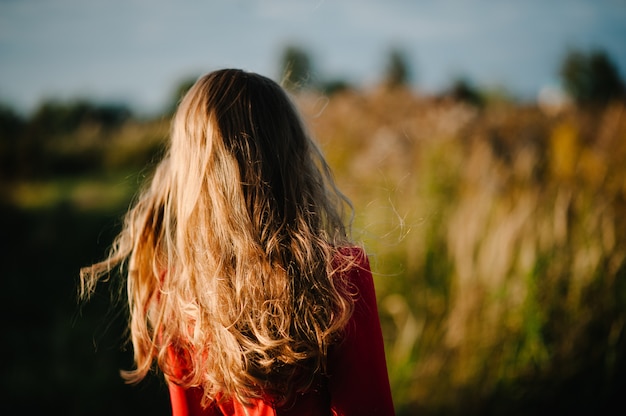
{"points": [[352, 252], [351, 258]]}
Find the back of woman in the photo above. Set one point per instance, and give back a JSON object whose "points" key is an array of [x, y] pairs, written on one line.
{"points": [[243, 284]]}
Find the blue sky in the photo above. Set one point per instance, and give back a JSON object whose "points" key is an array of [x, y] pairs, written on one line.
{"points": [[136, 51]]}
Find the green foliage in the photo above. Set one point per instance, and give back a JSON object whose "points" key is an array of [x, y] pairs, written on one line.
{"points": [[463, 90], [335, 86], [591, 78], [11, 127], [75, 137], [296, 68], [397, 72], [10, 123], [54, 117]]}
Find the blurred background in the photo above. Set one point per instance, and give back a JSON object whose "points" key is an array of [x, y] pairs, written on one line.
{"points": [[483, 144]]}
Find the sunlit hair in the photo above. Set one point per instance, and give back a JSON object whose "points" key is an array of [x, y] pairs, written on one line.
{"points": [[232, 252]]}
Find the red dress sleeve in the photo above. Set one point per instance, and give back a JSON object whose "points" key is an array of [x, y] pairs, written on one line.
{"points": [[359, 382]]}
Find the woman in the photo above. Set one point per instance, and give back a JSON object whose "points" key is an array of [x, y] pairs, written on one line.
{"points": [[243, 284]]}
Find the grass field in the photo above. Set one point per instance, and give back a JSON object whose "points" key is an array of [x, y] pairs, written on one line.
{"points": [[497, 236]]}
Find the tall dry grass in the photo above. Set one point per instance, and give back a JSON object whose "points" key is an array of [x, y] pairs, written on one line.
{"points": [[497, 236], [498, 241]]}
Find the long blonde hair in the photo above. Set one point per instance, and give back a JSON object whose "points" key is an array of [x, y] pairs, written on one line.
{"points": [[232, 252]]}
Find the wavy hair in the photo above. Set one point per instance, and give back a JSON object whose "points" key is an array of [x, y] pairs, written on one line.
{"points": [[232, 252]]}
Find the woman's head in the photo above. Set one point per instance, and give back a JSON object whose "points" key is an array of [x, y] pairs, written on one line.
{"points": [[233, 247], [238, 140]]}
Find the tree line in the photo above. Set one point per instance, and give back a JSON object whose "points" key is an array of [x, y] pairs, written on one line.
{"points": [[590, 78]]}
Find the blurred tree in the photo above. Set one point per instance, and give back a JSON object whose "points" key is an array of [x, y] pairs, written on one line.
{"points": [[61, 137], [56, 117], [397, 73], [11, 128], [111, 115], [296, 68], [591, 78], [334, 86], [10, 122], [463, 90]]}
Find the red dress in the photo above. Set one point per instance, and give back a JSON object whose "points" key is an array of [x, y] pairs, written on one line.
{"points": [[357, 382]]}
